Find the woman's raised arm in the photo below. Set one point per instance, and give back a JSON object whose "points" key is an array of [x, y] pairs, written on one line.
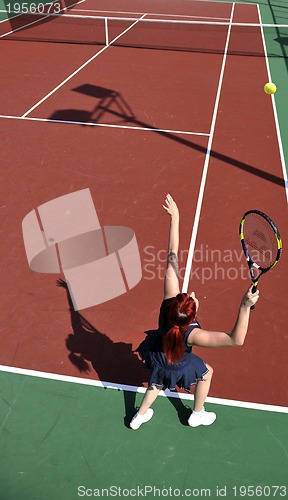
{"points": [[171, 280]]}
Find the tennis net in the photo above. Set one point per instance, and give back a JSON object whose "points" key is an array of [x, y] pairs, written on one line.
{"points": [[194, 36]]}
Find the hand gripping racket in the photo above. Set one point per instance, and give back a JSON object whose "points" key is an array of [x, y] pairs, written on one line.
{"points": [[261, 243]]}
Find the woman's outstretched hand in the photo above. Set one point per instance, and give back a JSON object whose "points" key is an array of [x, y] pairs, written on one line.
{"points": [[170, 207], [250, 298]]}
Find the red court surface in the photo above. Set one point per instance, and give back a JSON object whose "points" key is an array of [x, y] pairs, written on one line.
{"points": [[30, 73], [154, 87], [128, 171]]}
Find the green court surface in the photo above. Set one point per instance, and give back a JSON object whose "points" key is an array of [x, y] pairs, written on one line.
{"points": [[57, 437]]}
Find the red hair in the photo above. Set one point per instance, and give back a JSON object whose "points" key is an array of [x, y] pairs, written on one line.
{"points": [[182, 312]]}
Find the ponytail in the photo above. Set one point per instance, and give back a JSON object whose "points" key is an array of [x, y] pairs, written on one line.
{"points": [[173, 347], [182, 312]]}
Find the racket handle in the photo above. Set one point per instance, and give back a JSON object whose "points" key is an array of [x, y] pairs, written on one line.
{"points": [[254, 288]]}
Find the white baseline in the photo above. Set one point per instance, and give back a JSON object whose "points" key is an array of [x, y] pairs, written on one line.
{"points": [[131, 388]]}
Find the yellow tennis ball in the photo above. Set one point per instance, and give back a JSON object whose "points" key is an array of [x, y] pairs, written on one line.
{"points": [[270, 88]]}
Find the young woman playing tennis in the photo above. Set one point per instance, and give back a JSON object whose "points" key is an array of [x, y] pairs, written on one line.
{"points": [[167, 351]]}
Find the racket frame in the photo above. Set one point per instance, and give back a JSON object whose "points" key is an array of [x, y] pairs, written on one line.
{"points": [[251, 264]]}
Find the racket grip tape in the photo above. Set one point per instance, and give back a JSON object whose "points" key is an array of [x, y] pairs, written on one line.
{"points": [[254, 288]]}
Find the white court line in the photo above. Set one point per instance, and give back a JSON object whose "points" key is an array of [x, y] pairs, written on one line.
{"points": [[284, 170], [29, 24], [79, 69], [21, 27], [152, 14], [132, 388], [89, 124], [206, 165], [7, 19], [73, 4]]}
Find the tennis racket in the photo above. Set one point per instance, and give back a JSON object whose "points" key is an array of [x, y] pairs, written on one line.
{"points": [[261, 243]]}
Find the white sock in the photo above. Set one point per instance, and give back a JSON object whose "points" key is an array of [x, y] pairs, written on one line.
{"points": [[197, 412]]}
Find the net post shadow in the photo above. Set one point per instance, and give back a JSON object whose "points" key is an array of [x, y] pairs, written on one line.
{"points": [[107, 99]]}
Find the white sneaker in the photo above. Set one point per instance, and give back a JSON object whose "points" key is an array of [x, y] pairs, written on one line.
{"points": [[138, 420], [201, 418]]}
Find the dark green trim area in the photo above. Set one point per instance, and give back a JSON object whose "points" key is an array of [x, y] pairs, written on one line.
{"points": [[57, 436]]}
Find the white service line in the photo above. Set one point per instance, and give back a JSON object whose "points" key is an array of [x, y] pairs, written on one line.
{"points": [[132, 388], [79, 69], [76, 3], [111, 125], [206, 165], [116, 12], [284, 170]]}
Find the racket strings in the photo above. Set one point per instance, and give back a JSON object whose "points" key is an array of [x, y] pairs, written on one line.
{"points": [[261, 240]]}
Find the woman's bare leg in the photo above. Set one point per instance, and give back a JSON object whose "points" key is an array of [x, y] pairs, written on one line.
{"points": [[149, 398], [145, 413], [202, 390]]}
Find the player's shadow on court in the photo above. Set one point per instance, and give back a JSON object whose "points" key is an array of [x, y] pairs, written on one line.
{"points": [[114, 362], [112, 109]]}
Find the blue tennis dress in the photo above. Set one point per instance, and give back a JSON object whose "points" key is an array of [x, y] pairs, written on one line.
{"points": [[189, 369]]}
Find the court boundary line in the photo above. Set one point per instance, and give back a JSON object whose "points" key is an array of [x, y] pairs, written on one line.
{"points": [[108, 125], [2, 11], [189, 262], [151, 14], [79, 69], [132, 388], [28, 24], [278, 131]]}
